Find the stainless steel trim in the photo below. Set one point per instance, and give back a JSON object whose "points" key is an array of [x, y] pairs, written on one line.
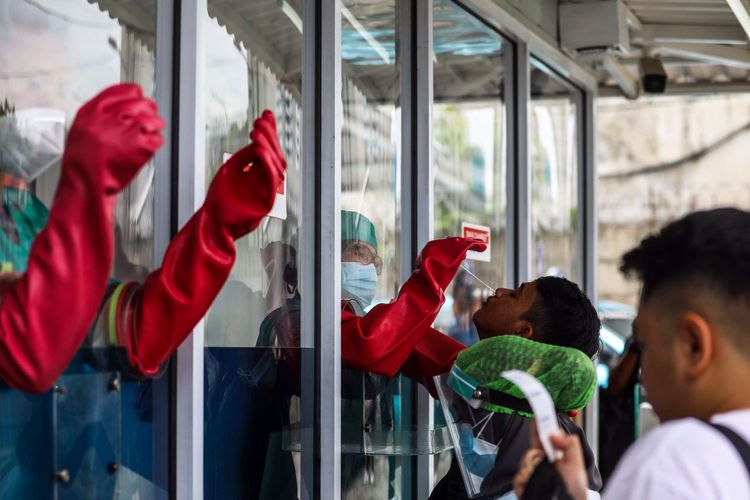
{"points": [[191, 186]]}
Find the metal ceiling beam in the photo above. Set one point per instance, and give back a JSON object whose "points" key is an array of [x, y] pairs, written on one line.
{"points": [[628, 84], [714, 54], [685, 33], [674, 89], [668, 61], [634, 22], [741, 10]]}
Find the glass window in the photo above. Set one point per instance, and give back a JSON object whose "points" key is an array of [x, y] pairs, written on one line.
{"points": [[469, 155], [554, 163], [110, 438], [254, 366], [470, 165], [370, 165]]}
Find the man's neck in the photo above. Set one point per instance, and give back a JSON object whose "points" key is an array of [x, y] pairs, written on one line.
{"points": [[727, 392]]}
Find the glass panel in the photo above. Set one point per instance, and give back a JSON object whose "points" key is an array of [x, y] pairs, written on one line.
{"points": [[55, 56], [370, 164], [469, 149], [554, 163], [254, 366], [87, 416], [470, 172]]}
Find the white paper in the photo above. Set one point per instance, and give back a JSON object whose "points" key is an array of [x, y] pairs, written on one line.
{"points": [[542, 406], [279, 204]]}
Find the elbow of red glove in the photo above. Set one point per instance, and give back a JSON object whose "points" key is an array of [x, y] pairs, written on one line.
{"points": [[434, 355], [31, 376], [27, 367]]}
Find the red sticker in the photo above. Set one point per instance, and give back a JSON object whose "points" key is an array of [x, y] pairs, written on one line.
{"points": [[479, 232]]}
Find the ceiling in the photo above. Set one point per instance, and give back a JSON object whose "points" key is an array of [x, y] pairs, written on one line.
{"points": [[700, 42]]}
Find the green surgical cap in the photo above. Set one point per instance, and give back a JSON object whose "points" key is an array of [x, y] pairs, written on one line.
{"points": [[355, 226], [567, 373]]}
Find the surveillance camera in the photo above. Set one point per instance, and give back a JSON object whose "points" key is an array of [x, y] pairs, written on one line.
{"points": [[653, 75]]}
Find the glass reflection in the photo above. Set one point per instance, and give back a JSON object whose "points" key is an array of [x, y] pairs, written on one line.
{"points": [[553, 159], [469, 148], [55, 56], [371, 136], [256, 374], [470, 162]]}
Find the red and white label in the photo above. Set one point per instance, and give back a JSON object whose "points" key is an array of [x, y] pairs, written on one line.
{"points": [[279, 205], [469, 230]]}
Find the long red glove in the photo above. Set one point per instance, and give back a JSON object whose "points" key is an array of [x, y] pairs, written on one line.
{"points": [[46, 313], [172, 300], [433, 355], [383, 340]]}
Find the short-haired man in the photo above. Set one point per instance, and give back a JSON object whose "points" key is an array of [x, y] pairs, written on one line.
{"points": [[549, 310], [693, 327]]}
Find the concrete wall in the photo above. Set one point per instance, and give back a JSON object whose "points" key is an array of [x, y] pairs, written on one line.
{"points": [[634, 136]]}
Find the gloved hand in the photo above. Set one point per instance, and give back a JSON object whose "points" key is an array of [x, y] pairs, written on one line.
{"points": [[383, 340], [440, 259], [197, 263], [239, 197], [47, 312], [118, 131]]}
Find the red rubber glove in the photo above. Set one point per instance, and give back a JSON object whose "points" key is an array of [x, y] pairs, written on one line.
{"points": [[197, 263], [384, 339], [47, 312]]}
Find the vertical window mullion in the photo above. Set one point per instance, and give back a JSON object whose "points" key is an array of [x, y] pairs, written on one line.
{"points": [[522, 183], [191, 189], [326, 231]]}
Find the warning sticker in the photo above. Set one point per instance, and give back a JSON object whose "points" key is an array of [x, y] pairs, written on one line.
{"points": [[469, 230]]}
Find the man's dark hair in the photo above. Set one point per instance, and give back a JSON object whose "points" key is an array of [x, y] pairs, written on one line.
{"points": [[709, 248], [706, 252], [563, 315]]}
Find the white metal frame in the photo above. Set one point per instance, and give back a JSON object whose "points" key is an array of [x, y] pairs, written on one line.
{"points": [[327, 227], [417, 176], [518, 171], [587, 194], [191, 188], [308, 251]]}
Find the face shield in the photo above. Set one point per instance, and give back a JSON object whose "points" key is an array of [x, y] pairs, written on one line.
{"points": [[31, 141], [488, 415]]}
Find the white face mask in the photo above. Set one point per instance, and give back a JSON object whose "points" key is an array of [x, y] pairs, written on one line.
{"points": [[359, 282], [31, 141]]}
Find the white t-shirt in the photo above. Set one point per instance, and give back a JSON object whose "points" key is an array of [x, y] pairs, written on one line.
{"points": [[685, 459]]}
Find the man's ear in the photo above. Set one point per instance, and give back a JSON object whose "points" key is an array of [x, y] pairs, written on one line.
{"points": [[523, 328], [695, 338]]}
